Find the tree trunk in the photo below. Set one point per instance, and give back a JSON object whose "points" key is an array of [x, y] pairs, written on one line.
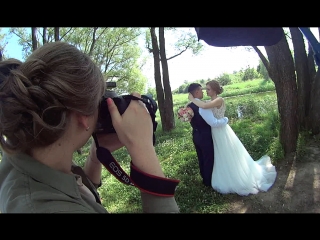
{"points": [[303, 77], [314, 119], [283, 75], [56, 34], [44, 36], [315, 105], [169, 123], [34, 38], [311, 63], [157, 74], [93, 41]]}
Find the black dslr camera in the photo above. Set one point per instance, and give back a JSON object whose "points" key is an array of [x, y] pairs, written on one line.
{"points": [[104, 124]]}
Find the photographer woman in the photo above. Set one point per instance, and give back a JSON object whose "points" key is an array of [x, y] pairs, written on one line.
{"points": [[49, 109]]}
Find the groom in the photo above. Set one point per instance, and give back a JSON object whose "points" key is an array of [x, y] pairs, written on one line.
{"points": [[201, 136]]}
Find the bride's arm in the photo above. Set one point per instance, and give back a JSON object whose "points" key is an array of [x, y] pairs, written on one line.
{"points": [[211, 104], [208, 116]]}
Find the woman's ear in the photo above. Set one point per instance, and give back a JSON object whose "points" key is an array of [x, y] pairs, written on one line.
{"points": [[83, 121]]}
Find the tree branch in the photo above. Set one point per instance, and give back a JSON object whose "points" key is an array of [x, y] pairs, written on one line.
{"points": [[93, 40], [262, 57], [24, 40], [66, 33], [178, 53]]}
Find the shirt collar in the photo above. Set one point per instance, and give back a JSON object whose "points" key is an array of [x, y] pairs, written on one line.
{"points": [[40, 172]]}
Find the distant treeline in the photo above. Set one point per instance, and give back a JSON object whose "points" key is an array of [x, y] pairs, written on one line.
{"points": [[224, 79]]}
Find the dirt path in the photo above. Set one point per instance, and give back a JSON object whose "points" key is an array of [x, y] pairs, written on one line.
{"points": [[296, 190]]}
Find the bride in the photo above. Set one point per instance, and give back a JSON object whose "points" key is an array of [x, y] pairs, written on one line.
{"points": [[234, 169]]}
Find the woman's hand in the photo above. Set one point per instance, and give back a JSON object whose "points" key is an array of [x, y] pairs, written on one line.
{"points": [[134, 126], [135, 130], [191, 98]]}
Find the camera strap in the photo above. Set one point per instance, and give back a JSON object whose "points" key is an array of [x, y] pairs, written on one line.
{"points": [[145, 182], [108, 161]]}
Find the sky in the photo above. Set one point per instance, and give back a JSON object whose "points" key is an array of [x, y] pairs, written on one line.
{"points": [[210, 63]]}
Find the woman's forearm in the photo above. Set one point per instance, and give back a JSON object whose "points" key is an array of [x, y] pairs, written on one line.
{"points": [[93, 167], [146, 160], [198, 102], [208, 116]]}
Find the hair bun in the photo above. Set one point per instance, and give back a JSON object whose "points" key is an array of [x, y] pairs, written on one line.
{"points": [[7, 66]]}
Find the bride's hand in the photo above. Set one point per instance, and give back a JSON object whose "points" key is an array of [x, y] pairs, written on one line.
{"points": [[190, 97]]}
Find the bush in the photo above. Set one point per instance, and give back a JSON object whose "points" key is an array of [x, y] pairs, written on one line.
{"points": [[249, 74], [261, 69], [224, 79]]}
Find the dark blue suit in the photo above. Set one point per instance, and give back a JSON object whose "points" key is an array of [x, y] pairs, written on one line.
{"points": [[202, 139]]}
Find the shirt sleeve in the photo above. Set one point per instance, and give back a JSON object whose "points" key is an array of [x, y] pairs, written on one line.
{"points": [[156, 204], [208, 116]]}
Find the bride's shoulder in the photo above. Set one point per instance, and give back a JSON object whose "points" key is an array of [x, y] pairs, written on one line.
{"points": [[221, 99]]}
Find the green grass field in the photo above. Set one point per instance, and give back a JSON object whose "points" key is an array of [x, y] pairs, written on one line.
{"points": [[257, 129]]}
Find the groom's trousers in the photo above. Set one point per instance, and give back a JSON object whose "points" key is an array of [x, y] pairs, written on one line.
{"points": [[204, 147]]}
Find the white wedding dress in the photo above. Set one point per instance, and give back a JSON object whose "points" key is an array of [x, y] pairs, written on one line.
{"points": [[234, 170]]}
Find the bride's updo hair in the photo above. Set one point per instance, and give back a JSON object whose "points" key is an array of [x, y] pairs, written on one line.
{"points": [[36, 96], [215, 86]]}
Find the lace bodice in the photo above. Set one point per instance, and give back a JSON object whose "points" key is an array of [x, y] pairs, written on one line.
{"points": [[219, 112]]}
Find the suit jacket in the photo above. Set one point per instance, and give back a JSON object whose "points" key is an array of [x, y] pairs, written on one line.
{"points": [[197, 122]]}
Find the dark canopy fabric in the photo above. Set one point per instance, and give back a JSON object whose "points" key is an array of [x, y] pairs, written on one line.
{"points": [[239, 36]]}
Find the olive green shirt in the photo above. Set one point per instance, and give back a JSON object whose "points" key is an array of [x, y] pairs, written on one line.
{"points": [[28, 186]]}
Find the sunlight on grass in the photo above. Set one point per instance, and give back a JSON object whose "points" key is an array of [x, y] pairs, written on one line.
{"points": [[258, 130]]}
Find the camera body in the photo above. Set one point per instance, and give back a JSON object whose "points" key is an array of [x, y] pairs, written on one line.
{"points": [[104, 124]]}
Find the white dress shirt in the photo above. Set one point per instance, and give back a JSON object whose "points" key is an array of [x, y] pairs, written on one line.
{"points": [[208, 116]]}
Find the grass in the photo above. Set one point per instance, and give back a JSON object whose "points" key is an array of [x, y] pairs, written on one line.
{"points": [[257, 129], [236, 89]]}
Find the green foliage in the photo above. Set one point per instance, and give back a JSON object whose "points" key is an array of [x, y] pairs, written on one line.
{"points": [[25, 39], [183, 88], [224, 79], [152, 91], [261, 69], [236, 80], [240, 88], [186, 40], [248, 87], [258, 130], [249, 73], [114, 50]]}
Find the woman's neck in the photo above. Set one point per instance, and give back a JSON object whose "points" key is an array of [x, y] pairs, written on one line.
{"points": [[214, 96], [57, 156]]}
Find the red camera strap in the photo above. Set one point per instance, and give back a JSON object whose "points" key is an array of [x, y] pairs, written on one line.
{"points": [[145, 182], [108, 161]]}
